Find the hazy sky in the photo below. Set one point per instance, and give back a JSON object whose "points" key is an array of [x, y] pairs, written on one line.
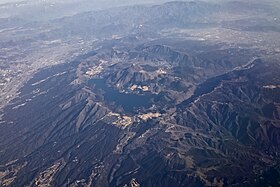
{"points": [[7, 1], [105, 1]]}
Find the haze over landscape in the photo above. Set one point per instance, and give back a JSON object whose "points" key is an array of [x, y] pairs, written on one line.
{"points": [[139, 93]]}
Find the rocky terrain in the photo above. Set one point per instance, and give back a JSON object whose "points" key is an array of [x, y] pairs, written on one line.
{"points": [[175, 94]]}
